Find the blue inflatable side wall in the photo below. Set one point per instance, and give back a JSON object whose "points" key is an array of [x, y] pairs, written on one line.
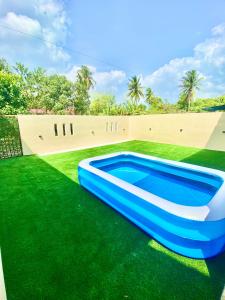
{"points": [[196, 239]]}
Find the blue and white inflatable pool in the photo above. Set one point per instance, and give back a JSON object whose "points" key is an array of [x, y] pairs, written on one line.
{"points": [[179, 204]]}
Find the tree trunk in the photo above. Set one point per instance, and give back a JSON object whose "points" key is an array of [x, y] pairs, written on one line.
{"points": [[74, 107], [188, 103], [189, 100]]}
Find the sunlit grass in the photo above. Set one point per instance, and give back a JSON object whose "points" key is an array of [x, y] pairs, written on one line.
{"points": [[196, 264]]}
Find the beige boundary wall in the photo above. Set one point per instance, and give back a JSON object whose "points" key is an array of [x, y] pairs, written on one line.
{"points": [[201, 130], [55, 133]]}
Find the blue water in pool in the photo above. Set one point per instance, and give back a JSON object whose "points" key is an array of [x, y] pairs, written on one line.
{"points": [[176, 184]]}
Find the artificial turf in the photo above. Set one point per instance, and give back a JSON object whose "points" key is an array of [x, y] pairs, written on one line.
{"points": [[59, 242]]}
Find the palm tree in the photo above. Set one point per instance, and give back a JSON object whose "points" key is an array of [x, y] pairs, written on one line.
{"points": [[84, 82], [189, 84], [135, 89], [84, 76], [149, 96]]}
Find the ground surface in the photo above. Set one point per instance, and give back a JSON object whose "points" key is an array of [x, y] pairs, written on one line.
{"points": [[60, 242]]}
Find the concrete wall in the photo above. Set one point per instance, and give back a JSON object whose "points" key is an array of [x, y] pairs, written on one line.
{"points": [[202, 130], [38, 132]]}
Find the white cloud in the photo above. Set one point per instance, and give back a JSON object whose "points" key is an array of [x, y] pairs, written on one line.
{"points": [[109, 81], [219, 29], [57, 27], [19, 23], [54, 11], [50, 8], [111, 78], [47, 20], [51, 38], [208, 59]]}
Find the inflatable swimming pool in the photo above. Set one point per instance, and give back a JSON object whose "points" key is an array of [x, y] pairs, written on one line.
{"points": [[179, 204]]}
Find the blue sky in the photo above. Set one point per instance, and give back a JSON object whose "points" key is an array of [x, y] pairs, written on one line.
{"points": [[157, 40]]}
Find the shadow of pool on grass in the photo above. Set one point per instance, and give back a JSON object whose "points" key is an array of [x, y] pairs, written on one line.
{"points": [[60, 242]]}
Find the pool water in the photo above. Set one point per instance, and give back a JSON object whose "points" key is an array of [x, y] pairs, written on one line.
{"points": [[179, 185]]}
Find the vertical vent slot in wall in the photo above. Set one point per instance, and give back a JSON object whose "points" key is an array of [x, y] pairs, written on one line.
{"points": [[64, 129], [71, 128], [116, 126], [106, 127], [111, 126], [56, 129]]}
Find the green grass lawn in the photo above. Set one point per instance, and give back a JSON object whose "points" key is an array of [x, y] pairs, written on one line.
{"points": [[59, 242]]}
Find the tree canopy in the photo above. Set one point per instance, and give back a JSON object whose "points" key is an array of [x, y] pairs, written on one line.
{"points": [[35, 91], [135, 90], [103, 104], [23, 90], [189, 84]]}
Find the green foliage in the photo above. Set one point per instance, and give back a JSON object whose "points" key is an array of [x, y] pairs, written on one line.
{"points": [[103, 104], [149, 96], [8, 126], [84, 82], [82, 99], [121, 109], [155, 102], [169, 108], [189, 84], [58, 93], [23, 90], [10, 144], [135, 109], [84, 76], [22, 71], [199, 104], [36, 88], [135, 90], [62, 106], [182, 102], [11, 95], [4, 66]]}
